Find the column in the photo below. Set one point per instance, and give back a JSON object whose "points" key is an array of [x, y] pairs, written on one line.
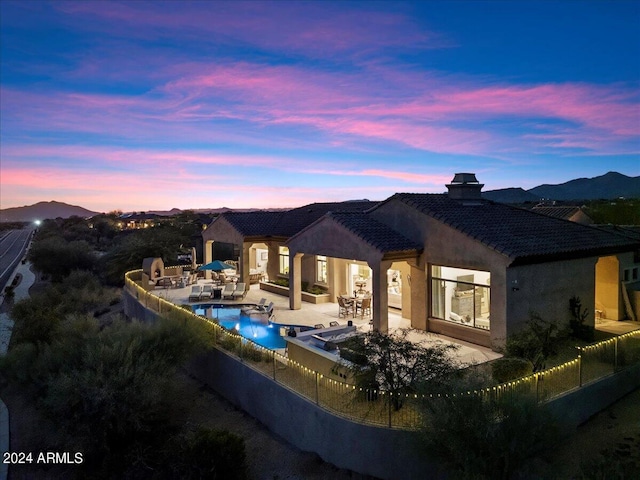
{"points": [[295, 284], [208, 256], [380, 295], [244, 264], [418, 286], [273, 260]]}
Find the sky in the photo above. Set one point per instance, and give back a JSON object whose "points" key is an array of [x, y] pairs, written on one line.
{"points": [[139, 106]]}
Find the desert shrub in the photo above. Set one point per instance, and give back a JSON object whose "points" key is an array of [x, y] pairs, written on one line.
{"points": [[253, 352], [472, 438], [56, 257], [576, 323], [398, 365], [510, 368], [539, 340], [230, 342], [211, 454]]}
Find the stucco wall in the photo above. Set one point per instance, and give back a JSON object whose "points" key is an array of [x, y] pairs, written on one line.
{"points": [[547, 288], [380, 452]]}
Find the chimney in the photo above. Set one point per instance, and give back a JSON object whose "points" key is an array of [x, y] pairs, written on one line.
{"points": [[465, 186]]}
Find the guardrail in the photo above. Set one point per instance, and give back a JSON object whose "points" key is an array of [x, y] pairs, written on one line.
{"points": [[374, 407]]}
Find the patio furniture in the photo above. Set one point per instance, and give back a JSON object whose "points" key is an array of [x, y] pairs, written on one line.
{"points": [[318, 325], [240, 291], [268, 312], [345, 307], [207, 291], [363, 307], [227, 292], [260, 307], [334, 324], [194, 296]]}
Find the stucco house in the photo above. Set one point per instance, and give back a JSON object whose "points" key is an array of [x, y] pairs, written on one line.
{"points": [[452, 263]]}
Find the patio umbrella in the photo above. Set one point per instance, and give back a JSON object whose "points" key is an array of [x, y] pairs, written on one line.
{"points": [[216, 266]]}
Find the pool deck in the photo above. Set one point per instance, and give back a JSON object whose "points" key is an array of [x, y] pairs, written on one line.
{"points": [[313, 314]]}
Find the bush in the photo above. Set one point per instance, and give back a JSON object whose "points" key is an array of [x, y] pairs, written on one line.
{"points": [[539, 340], [509, 368], [475, 438], [211, 454], [254, 353]]}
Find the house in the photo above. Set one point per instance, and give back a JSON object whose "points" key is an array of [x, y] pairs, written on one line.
{"points": [[451, 263], [572, 213]]}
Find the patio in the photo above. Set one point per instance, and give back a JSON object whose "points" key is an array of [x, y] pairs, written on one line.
{"points": [[313, 314]]}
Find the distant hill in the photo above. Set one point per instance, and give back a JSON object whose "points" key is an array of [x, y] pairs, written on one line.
{"points": [[42, 211], [608, 186], [510, 195]]}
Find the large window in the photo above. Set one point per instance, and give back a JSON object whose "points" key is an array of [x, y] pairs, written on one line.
{"points": [[284, 260], [461, 296], [321, 269]]}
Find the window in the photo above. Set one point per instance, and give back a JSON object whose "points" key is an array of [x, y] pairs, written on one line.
{"points": [[321, 269], [634, 273], [284, 260], [461, 296]]}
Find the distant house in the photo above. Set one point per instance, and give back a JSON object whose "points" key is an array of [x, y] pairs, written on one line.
{"points": [[134, 221], [453, 263], [573, 214]]}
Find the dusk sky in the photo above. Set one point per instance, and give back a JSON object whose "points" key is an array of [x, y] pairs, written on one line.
{"points": [[154, 105]]}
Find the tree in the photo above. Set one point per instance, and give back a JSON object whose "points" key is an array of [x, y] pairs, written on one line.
{"points": [[56, 257], [539, 340], [163, 241], [396, 364]]}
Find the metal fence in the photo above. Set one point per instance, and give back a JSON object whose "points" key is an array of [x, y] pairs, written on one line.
{"points": [[375, 407]]}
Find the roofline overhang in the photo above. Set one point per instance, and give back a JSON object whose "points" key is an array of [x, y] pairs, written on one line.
{"points": [[582, 254]]}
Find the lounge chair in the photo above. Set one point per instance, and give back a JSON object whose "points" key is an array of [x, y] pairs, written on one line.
{"points": [[207, 291], [334, 324], [227, 291], [260, 307], [240, 291], [194, 296], [318, 325]]}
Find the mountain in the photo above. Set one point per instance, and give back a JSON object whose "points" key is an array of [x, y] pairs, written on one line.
{"points": [[608, 186], [510, 195], [43, 210]]}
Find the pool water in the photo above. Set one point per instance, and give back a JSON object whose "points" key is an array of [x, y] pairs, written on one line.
{"points": [[255, 327]]}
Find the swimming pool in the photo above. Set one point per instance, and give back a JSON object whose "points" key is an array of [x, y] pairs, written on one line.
{"points": [[254, 327]]}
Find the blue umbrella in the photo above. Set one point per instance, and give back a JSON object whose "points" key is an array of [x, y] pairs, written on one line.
{"points": [[217, 266]]}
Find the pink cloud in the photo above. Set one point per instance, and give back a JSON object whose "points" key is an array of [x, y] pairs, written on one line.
{"points": [[346, 109], [315, 29]]}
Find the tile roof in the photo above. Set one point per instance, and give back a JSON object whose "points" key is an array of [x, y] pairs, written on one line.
{"points": [[558, 212], [254, 224], [376, 234], [523, 235], [289, 222]]}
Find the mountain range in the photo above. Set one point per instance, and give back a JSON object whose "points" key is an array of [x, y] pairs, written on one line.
{"points": [[611, 185]]}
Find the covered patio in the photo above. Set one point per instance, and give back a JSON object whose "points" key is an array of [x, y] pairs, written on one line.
{"points": [[314, 314]]}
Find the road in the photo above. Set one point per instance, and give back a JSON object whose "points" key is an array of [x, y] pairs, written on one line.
{"points": [[13, 244]]}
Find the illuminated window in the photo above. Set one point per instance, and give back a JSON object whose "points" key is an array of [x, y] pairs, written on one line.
{"points": [[321, 269], [461, 296], [284, 260]]}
